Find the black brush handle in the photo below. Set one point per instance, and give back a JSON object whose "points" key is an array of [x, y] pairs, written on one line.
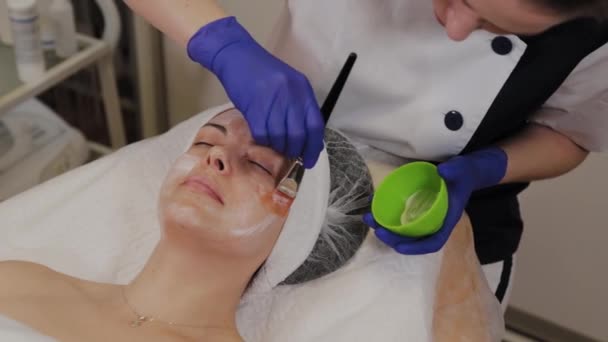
{"points": [[336, 89]]}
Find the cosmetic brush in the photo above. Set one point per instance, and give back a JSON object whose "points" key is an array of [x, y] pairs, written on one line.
{"points": [[288, 187]]}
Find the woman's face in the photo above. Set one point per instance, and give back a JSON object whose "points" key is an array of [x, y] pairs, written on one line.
{"points": [[217, 190], [461, 17]]}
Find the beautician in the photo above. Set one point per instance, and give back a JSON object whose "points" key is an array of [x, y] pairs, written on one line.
{"points": [[497, 92]]}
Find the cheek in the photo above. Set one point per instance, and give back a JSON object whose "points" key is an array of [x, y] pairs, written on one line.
{"points": [[249, 231], [263, 242], [248, 215], [245, 217], [178, 172], [256, 241], [170, 200], [245, 223]]}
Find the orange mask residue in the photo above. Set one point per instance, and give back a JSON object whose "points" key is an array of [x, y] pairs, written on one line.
{"points": [[277, 202]]}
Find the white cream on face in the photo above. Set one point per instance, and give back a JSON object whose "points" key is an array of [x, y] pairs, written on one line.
{"points": [[181, 168], [205, 216], [250, 230]]}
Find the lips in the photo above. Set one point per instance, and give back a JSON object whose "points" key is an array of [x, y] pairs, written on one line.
{"points": [[200, 184]]}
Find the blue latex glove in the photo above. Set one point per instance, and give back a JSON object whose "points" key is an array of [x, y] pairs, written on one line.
{"points": [[276, 100], [463, 175]]}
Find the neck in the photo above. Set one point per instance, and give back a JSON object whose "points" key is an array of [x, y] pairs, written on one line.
{"points": [[187, 286]]}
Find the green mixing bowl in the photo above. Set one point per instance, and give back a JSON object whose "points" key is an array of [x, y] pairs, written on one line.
{"points": [[392, 194]]}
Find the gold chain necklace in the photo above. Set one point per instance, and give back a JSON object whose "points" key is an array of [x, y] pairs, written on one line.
{"points": [[141, 319]]}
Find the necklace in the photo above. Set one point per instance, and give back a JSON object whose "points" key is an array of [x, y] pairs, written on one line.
{"points": [[142, 319]]}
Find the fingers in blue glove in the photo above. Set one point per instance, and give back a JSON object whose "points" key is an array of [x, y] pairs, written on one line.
{"points": [[435, 242], [277, 125], [425, 245], [296, 137], [453, 169], [257, 126], [392, 239], [277, 101], [368, 219], [386, 236]]}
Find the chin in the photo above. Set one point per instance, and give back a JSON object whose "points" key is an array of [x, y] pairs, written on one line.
{"points": [[186, 215], [187, 218]]}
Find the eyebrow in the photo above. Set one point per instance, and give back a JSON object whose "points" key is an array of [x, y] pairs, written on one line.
{"points": [[219, 127]]}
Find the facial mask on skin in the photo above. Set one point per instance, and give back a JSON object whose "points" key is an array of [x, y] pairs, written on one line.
{"points": [[181, 168], [303, 223], [245, 231], [242, 219]]}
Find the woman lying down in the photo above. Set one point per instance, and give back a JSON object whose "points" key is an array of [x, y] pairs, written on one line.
{"points": [[218, 227]]}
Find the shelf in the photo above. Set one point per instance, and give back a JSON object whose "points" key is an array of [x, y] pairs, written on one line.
{"points": [[91, 51], [13, 91]]}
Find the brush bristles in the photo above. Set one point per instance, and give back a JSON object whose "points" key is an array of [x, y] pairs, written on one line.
{"points": [[288, 187]]}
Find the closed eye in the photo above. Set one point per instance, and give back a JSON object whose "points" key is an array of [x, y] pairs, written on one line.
{"points": [[261, 167], [253, 162]]}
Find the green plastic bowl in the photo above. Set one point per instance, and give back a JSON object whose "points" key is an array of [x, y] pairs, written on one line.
{"points": [[390, 198]]}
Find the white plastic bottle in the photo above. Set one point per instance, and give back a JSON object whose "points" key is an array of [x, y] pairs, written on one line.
{"points": [[25, 24], [5, 24], [47, 25], [62, 13]]}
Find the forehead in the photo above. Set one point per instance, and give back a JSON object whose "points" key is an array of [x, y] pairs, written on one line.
{"points": [[231, 118], [234, 123]]}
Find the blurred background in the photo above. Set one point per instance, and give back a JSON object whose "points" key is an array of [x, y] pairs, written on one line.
{"points": [[561, 278]]}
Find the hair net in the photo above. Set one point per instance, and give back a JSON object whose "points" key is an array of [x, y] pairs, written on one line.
{"points": [[343, 231]]}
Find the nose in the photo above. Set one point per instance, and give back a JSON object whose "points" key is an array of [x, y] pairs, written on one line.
{"points": [[218, 160], [460, 21]]}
